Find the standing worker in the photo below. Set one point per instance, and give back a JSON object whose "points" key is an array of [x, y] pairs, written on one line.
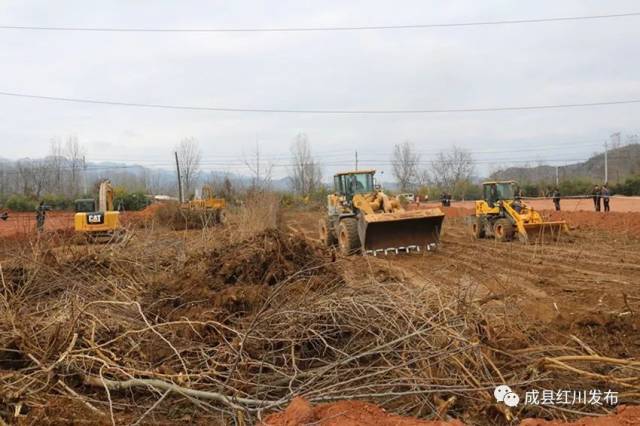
{"points": [[596, 197], [556, 198], [605, 197], [40, 216]]}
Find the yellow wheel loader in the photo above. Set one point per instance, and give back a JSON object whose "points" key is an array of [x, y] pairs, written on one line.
{"points": [[362, 218], [211, 208], [503, 215], [100, 222]]}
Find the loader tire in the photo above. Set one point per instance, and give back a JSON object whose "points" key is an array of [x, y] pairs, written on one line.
{"points": [[348, 239], [477, 228], [503, 230], [327, 234]]}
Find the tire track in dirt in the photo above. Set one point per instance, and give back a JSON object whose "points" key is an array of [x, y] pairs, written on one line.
{"points": [[592, 271]]}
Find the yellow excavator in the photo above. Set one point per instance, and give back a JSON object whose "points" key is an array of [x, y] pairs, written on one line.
{"points": [[503, 215], [102, 221], [362, 218]]}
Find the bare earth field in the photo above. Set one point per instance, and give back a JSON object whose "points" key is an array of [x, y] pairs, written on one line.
{"points": [[256, 322], [617, 204]]}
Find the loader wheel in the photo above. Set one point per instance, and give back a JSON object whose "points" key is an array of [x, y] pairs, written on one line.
{"points": [[348, 239], [503, 230], [477, 230], [327, 234]]}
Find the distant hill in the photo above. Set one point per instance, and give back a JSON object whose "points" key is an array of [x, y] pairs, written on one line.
{"points": [[623, 162]]}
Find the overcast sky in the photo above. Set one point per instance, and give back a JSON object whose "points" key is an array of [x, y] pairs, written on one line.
{"points": [[436, 68]]}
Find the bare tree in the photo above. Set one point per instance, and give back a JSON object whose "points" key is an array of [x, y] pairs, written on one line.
{"points": [[261, 171], [75, 158], [452, 169], [305, 174], [56, 163], [405, 162], [189, 157]]}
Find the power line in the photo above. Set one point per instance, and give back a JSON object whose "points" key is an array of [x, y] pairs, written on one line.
{"points": [[318, 29], [321, 111], [152, 159]]}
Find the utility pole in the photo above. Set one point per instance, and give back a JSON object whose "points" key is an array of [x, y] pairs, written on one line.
{"points": [[180, 196], [606, 164], [356, 160], [557, 177]]}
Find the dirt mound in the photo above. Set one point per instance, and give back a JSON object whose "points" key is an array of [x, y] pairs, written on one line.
{"points": [[623, 416], [357, 413], [178, 218], [344, 413], [267, 258], [234, 279], [615, 222]]}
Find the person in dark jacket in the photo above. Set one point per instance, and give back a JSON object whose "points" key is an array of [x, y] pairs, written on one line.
{"points": [[40, 215], [596, 197], [604, 193], [556, 199]]}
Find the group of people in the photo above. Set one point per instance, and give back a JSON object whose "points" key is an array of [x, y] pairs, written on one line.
{"points": [[601, 195]]}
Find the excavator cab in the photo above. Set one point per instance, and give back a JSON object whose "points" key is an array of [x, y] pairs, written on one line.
{"points": [[362, 218]]}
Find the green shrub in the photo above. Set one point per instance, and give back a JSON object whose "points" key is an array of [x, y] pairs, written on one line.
{"points": [[576, 187], [58, 202], [21, 203], [631, 186], [131, 201]]}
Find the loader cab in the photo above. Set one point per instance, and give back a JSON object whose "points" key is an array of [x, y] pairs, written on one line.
{"points": [[350, 183], [499, 191]]}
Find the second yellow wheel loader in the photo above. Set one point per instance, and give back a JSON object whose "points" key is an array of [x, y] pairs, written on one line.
{"points": [[362, 218], [503, 215]]}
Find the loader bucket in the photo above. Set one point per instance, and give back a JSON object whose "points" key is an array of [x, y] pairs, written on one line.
{"points": [[545, 231], [385, 233]]}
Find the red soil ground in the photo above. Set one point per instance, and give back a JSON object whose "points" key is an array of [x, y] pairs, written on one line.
{"points": [[344, 413], [357, 413], [22, 223], [25, 223], [617, 204]]}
